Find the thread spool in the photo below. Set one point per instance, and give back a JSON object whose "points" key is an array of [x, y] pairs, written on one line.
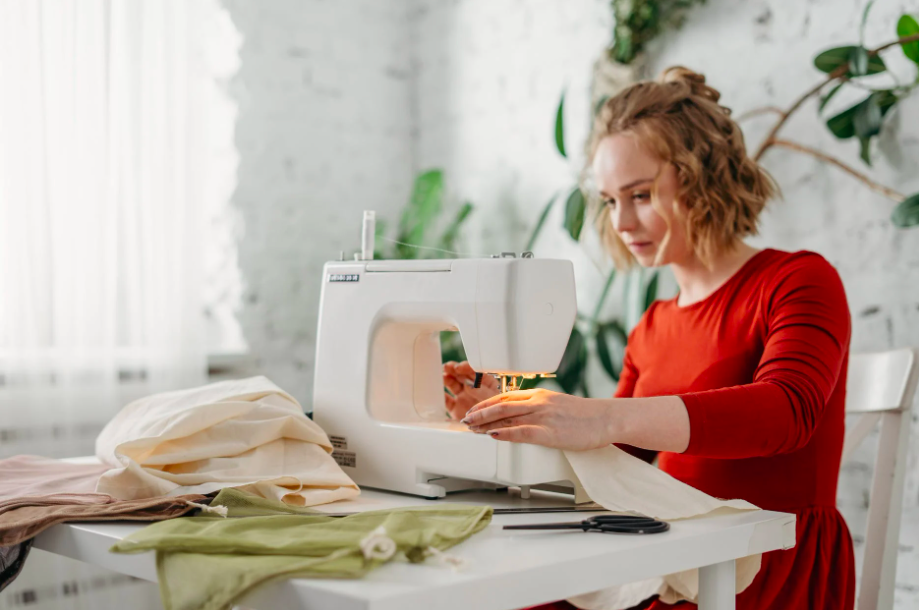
{"points": [[368, 235]]}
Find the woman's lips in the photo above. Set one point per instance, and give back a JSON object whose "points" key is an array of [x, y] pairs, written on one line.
{"points": [[640, 246]]}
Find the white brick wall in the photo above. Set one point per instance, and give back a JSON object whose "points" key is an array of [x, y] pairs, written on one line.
{"points": [[340, 102], [324, 131]]}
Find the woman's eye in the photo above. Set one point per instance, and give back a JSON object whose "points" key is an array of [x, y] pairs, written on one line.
{"points": [[610, 202], [641, 196]]}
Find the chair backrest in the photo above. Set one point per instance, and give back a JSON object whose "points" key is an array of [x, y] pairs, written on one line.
{"points": [[881, 387]]}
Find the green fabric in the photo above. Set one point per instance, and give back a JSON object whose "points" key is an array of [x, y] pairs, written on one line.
{"points": [[207, 563], [242, 504]]}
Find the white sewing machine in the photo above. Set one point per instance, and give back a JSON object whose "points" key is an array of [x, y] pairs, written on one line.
{"points": [[378, 386]]}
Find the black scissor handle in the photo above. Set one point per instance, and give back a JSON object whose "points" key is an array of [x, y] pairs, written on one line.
{"points": [[620, 524], [649, 526], [625, 524], [618, 519]]}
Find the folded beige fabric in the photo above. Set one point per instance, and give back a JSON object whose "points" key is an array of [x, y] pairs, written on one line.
{"points": [[248, 434], [623, 483]]}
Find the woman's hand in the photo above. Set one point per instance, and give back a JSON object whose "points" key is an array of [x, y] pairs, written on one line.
{"points": [[458, 378], [542, 417]]}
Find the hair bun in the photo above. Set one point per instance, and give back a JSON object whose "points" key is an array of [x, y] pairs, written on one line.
{"points": [[693, 80]]}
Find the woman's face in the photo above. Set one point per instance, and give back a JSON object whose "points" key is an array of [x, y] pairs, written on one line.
{"points": [[625, 174]]}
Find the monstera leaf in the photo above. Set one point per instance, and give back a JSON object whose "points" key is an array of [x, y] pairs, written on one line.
{"points": [[907, 26], [421, 212], [575, 212], [831, 59], [906, 214], [863, 120], [573, 367], [560, 127], [611, 336]]}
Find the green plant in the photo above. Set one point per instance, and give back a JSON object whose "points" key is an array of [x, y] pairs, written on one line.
{"points": [[847, 67], [638, 21], [419, 218]]}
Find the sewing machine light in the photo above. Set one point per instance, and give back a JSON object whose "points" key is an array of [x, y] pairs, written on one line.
{"points": [[510, 383]]}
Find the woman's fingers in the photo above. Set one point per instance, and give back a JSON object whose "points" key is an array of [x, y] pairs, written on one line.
{"points": [[517, 395], [465, 369], [460, 370], [496, 412], [507, 422], [452, 384], [522, 434], [464, 374], [456, 407]]}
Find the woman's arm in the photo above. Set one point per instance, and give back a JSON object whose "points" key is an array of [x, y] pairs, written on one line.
{"points": [[640, 426], [659, 423], [625, 388], [806, 345], [542, 417]]}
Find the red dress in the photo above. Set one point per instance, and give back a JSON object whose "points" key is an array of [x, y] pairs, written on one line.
{"points": [[761, 367]]}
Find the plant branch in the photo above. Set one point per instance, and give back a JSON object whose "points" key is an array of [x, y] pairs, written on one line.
{"points": [[879, 188], [904, 40], [757, 111], [770, 137], [837, 73]]}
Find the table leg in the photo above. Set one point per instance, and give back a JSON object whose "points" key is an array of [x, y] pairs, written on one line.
{"points": [[716, 586]]}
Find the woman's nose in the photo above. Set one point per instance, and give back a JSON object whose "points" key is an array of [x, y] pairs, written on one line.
{"points": [[623, 218]]}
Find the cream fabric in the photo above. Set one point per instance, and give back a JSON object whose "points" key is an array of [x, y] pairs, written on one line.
{"points": [[623, 483], [245, 433]]}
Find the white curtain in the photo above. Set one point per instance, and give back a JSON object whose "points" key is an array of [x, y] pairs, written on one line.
{"points": [[103, 187], [102, 180]]}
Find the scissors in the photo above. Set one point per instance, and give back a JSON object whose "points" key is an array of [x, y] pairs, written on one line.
{"points": [[618, 524]]}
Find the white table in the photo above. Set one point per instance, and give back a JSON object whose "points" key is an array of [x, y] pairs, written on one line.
{"points": [[506, 569]]}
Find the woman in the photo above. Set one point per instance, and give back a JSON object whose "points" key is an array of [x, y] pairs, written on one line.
{"points": [[739, 381]]}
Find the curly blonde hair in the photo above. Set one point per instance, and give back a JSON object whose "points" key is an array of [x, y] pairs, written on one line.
{"points": [[678, 119]]}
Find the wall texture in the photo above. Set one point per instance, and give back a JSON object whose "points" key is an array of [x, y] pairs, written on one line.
{"points": [[324, 102], [340, 102]]}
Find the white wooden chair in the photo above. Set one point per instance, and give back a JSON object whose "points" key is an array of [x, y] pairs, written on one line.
{"points": [[881, 387]]}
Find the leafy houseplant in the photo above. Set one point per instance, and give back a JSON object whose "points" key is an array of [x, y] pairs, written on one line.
{"points": [[847, 66], [419, 216]]}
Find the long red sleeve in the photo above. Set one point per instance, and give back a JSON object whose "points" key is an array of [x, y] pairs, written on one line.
{"points": [[806, 342]]}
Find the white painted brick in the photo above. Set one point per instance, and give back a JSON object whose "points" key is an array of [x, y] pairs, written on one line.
{"points": [[323, 132]]}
